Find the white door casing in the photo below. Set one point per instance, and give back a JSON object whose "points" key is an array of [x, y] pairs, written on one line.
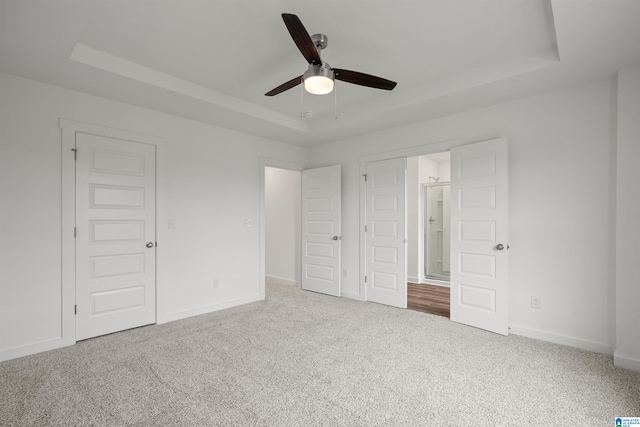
{"points": [[386, 264], [115, 242], [479, 235], [321, 239]]}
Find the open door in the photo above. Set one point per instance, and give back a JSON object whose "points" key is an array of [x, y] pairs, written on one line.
{"points": [[386, 265], [320, 255], [479, 235]]}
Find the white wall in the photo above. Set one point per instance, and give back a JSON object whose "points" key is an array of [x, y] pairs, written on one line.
{"points": [[428, 167], [560, 220], [444, 171], [212, 186], [627, 352], [437, 169], [282, 219]]}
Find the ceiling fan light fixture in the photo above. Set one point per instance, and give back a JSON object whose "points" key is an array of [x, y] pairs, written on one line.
{"points": [[319, 79]]}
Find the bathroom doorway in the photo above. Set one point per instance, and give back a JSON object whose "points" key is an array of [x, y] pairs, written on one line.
{"points": [[428, 227]]}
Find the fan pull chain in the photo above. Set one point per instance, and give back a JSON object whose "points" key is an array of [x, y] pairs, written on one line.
{"points": [[335, 100], [302, 97]]}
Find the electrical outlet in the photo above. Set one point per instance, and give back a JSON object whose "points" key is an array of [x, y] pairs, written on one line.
{"points": [[536, 302], [216, 283]]}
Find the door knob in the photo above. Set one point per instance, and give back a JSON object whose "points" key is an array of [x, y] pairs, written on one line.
{"points": [[149, 244], [499, 246], [336, 238]]}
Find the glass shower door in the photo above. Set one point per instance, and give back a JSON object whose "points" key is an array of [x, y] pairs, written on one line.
{"points": [[437, 231]]}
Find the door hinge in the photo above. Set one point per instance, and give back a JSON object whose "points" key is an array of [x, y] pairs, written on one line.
{"points": [[75, 309], [365, 177], [365, 228], [365, 279], [75, 232], [75, 153]]}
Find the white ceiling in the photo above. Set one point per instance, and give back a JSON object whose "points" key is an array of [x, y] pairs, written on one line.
{"points": [[213, 60]]}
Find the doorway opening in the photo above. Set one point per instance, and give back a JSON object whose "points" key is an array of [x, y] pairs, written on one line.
{"points": [[479, 230], [299, 226], [428, 230], [282, 225]]}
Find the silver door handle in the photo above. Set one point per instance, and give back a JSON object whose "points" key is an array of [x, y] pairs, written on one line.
{"points": [[336, 238], [149, 244], [499, 246]]}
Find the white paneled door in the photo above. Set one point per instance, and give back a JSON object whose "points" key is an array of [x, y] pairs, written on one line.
{"points": [[386, 265], [115, 235], [320, 241], [479, 235]]}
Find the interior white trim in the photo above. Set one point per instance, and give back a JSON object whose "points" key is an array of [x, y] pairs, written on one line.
{"points": [[274, 163], [352, 295], [595, 347], [114, 64], [33, 348], [435, 282], [204, 309], [281, 281], [626, 362]]}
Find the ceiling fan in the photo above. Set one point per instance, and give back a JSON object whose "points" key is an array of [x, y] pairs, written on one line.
{"points": [[319, 77]]}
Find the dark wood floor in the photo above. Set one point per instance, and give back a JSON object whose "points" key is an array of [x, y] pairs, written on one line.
{"points": [[428, 298]]}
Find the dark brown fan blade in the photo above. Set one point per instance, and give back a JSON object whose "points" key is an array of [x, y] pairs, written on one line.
{"points": [[301, 38], [363, 79], [285, 86]]}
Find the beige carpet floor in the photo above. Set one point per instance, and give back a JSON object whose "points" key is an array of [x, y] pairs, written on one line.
{"points": [[301, 359]]}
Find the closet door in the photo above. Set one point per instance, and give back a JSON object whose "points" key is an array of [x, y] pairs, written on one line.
{"points": [[321, 197]]}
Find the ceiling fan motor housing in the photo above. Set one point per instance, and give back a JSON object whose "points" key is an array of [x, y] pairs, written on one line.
{"points": [[320, 40], [323, 70]]}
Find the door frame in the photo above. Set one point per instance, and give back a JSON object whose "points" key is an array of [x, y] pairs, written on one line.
{"points": [[265, 162], [419, 150], [69, 128]]}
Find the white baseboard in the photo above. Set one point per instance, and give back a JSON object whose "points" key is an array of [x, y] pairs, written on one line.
{"points": [[54, 343], [352, 295], [177, 315], [280, 281], [561, 339], [626, 362], [413, 279], [435, 282], [39, 347]]}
